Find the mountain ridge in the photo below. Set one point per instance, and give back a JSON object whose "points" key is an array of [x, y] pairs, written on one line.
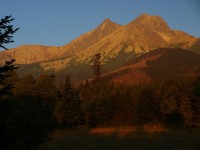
{"points": [[117, 44], [41, 53]]}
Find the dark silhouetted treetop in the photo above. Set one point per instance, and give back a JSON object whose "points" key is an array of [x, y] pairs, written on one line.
{"points": [[6, 31], [5, 88], [97, 67]]}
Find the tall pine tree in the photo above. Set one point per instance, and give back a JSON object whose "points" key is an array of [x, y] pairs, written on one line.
{"points": [[97, 68], [6, 32], [68, 107]]}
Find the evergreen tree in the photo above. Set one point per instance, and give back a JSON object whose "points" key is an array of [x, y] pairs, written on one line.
{"points": [[28, 124], [25, 121], [6, 32], [46, 89], [25, 87], [6, 88], [68, 107], [196, 100], [197, 87], [97, 68], [104, 110], [89, 110], [147, 107]]}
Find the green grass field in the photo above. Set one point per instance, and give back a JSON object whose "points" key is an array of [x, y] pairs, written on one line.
{"points": [[112, 139]]}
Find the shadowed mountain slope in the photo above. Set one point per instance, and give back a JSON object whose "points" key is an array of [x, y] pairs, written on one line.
{"points": [[157, 65]]}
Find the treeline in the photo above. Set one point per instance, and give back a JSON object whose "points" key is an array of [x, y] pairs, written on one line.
{"points": [[37, 106], [173, 102]]}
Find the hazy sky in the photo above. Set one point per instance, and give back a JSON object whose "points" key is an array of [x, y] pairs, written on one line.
{"points": [[57, 22]]}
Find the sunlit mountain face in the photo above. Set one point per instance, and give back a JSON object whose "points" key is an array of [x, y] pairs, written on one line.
{"points": [[117, 45]]}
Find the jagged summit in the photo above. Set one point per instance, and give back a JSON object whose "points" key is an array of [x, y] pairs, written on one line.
{"points": [[107, 20], [154, 22], [144, 16], [107, 24]]}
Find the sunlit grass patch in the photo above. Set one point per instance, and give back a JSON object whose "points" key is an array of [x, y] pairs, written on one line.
{"points": [[103, 131], [128, 130], [154, 128]]}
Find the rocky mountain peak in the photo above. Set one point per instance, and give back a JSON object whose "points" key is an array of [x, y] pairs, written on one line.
{"points": [[108, 24], [144, 16], [107, 21], [156, 23]]}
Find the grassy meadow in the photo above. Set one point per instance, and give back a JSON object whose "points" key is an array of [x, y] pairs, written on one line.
{"points": [[124, 138]]}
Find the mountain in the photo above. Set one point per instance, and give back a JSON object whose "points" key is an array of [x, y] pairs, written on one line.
{"points": [[160, 64], [28, 54], [117, 45]]}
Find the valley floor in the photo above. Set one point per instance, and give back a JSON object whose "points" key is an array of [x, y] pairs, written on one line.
{"points": [[124, 139]]}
